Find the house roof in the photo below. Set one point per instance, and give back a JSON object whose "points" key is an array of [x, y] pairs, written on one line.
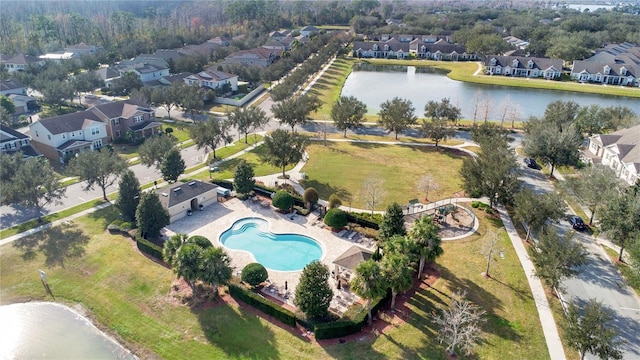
{"points": [[10, 84], [309, 28], [118, 109], [145, 125], [628, 145], [106, 73], [21, 100], [179, 78], [626, 53], [351, 258], [22, 59], [81, 46], [213, 75], [257, 53], [69, 122], [538, 63], [593, 67], [181, 192], [74, 144], [9, 134], [393, 45]]}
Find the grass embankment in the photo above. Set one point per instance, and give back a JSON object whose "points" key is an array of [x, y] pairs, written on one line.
{"points": [[331, 170], [465, 71], [130, 299], [329, 86], [389, 138]]}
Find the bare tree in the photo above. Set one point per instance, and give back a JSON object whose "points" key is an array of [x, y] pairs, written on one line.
{"points": [[459, 325], [477, 100], [373, 191], [489, 249], [515, 111], [485, 107], [427, 183], [504, 109]]}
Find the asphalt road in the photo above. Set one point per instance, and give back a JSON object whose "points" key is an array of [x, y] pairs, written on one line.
{"points": [[599, 278]]}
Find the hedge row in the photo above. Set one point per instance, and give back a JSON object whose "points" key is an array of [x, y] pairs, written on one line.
{"points": [[224, 183], [347, 327], [149, 248], [359, 219], [262, 304]]}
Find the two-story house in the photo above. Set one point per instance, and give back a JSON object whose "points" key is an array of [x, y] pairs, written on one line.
{"points": [[606, 73], [213, 79], [121, 117], [309, 31], [145, 71], [20, 62], [440, 50], [391, 48], [12, 86], [82, 49], [257, 56], [619, 150], [12, 141], [61, 137], [530, 67]]}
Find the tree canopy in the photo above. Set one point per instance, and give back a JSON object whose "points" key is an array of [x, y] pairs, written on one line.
{"points": [[348, 113], [151, 217], [248, 120], [101, 168], [313, 293], [211, 133], [172, 165], [397, 115], [557, 258], [128, 195], [392, 222], [153, 150], [283, 148], [243, 181]]}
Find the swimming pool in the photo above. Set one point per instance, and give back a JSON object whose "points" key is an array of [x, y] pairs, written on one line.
{"points": [[281, 252]]}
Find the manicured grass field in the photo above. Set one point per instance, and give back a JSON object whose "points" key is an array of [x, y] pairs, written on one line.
{"points": [[388, 138], [331, 170], [128, 295]]}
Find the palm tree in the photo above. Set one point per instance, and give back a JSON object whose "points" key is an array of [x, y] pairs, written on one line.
{"points": [[398, 273], [186, 264], [425, 234], [369, 283], [172, 246], [215, 267]]}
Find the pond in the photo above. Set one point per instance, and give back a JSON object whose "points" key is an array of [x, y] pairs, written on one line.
{"points": [[52, 331], [375, 84]]}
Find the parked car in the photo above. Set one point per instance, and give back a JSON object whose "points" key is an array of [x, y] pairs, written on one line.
{"points": [[531, 163], [577, 223]]}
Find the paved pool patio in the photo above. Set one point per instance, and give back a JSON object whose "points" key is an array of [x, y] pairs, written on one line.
{"points": [[218, 217]]}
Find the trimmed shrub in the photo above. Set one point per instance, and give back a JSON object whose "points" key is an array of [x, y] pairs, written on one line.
{"points": [[199, 240], [310, 197], [367, 220], [334, 201], [336, 218], [282, 200], [149, 248], [115, 226], [223, 183], [127, 226], [301, 210], [262, 304], [254, 274]]}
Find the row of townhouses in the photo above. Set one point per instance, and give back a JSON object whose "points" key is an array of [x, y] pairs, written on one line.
{"points": [[439, 50], [619, 150]]}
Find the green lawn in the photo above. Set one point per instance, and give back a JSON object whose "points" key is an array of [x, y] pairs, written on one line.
{"points": [[390, 137], [130, 299], [331, 170]]}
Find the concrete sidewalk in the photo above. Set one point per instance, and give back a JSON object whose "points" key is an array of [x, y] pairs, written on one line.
{"points": [[549, 328]]}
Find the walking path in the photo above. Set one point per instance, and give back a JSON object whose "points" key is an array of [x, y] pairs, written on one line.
{"points": [[554, 344], [549, 328]]}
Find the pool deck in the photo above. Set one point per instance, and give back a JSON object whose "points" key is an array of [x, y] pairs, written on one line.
{"points": [[218, 217]]}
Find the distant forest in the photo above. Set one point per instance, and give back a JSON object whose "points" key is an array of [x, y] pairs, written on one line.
{"points": [[128, 28]]}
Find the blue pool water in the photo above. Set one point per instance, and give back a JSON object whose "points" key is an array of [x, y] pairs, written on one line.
{"points": [[281, 252]]}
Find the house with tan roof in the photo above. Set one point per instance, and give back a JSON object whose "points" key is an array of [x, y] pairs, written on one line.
{"points": [[12, 86], [530, 67], [257, 56], [619, 150], [20, 62], [182, 199]]}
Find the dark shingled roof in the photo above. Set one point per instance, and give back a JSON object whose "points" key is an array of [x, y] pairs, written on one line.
{"points": [[9, 134], [69, 122], [10, 84], [181, 192], [538, 63]]}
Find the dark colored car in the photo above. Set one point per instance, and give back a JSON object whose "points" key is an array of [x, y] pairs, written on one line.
{"points": [[531, 163], [577, 223]]}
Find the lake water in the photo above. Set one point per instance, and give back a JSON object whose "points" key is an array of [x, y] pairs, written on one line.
{"points": [[375, 84], [52, 331]]}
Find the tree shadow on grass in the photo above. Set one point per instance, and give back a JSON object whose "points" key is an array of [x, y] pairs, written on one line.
{"points": [[495, 324], [325, 190], [106, 215], [57, 244], [240, 334]]}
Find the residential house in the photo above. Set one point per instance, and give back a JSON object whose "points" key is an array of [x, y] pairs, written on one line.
{"points": [[61, 137], [395, 22], [258, 56], [12, 86], [213, 79], [619, 150], [58, 56], [145, 71], [278, 45], [121, 117], [530, 67], [391, 48], [107, 74], [624, 53], [606, 73], [220, 40], [12, 141], [82, 49], [20, 62], [23, 104], [182, 199], [309, 31], [441, 50], [279, 35], [516, 43]]}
